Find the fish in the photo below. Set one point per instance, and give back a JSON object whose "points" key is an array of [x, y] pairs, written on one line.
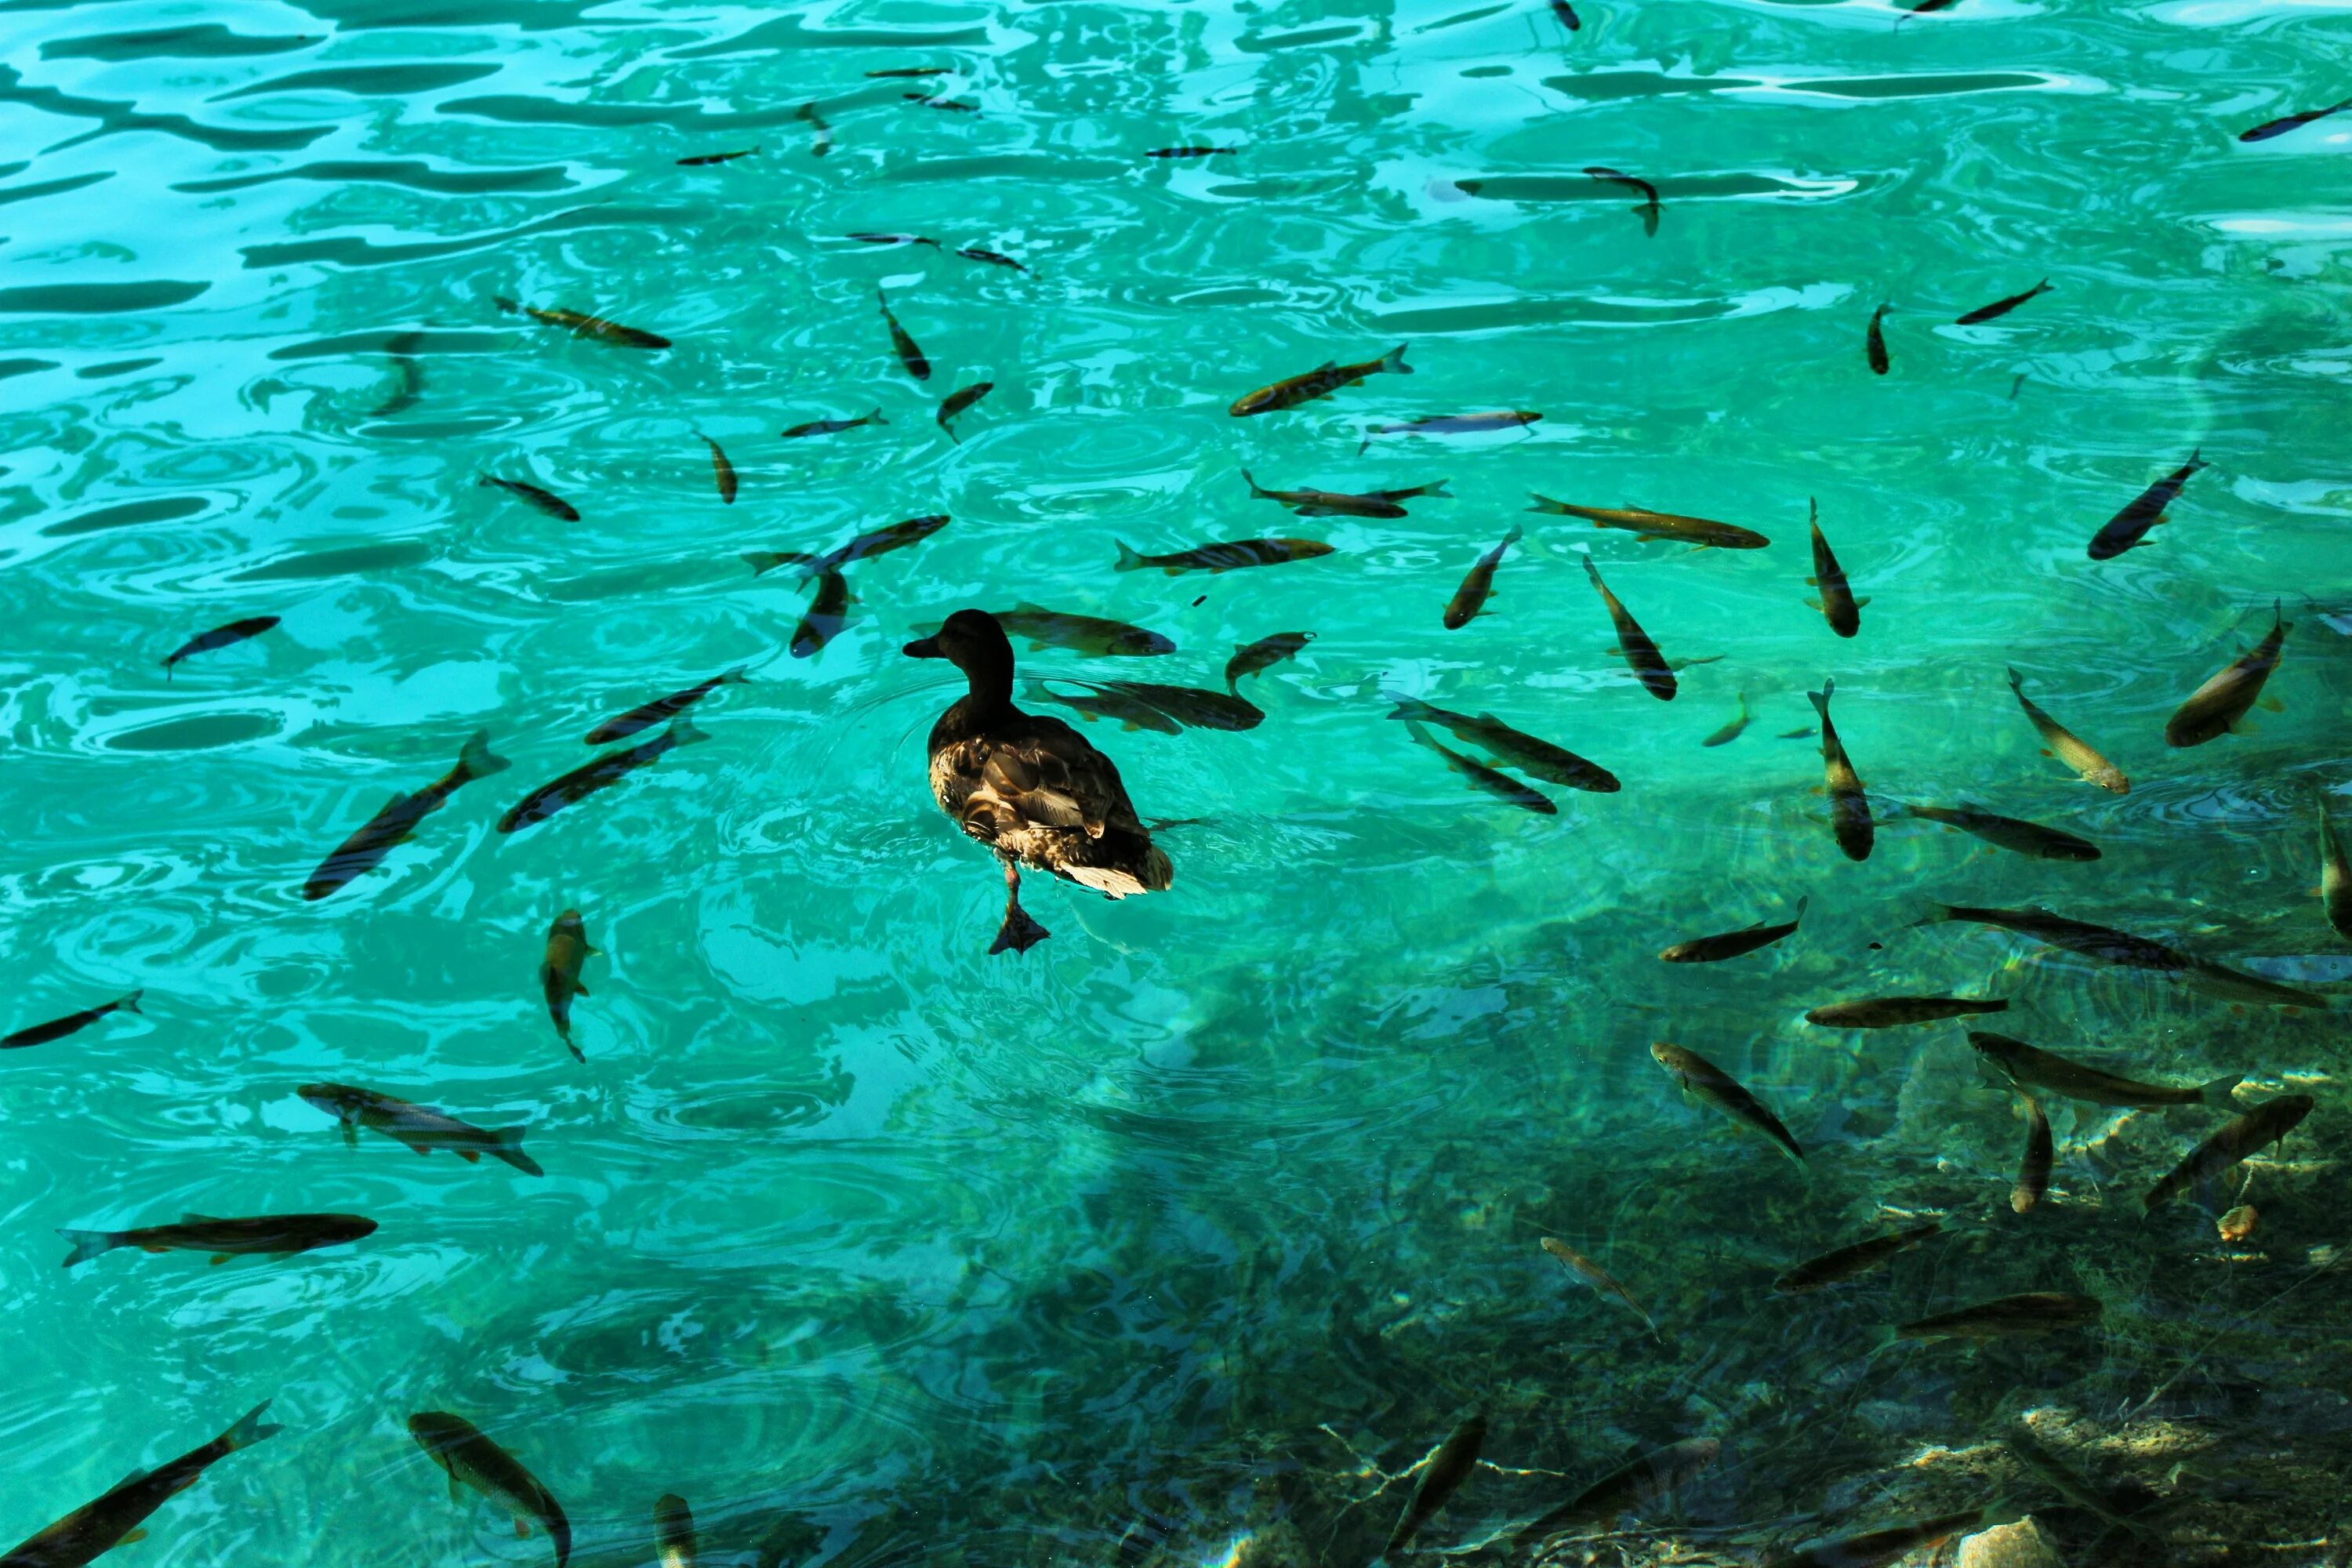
{"points": [[1703, 1080], [1191, 151], [1128, 709], [910, 354], [674, 1526], [1192, 706], [2128, 529], [831, 426], [1471, 597], [1627, 1490], [896, 239], [703, 159], [2237, 1139], [1600, 1280], [219, 636], [646, 715], [993, 258], [71, 1024], [559, 972], [1649, 193], [407, 386], [1250, 658], [1733, 944], [951, 105], [1443, 1475], [2218, 705], [1873, 343], [959, 400], [548, 502], [1501, 786], [1230, 556], [1650, 525], [1922, 7], [2029, 839], [1999, 307], [458, 1446], [1730, 732], [2006, 1317], [1633, 644], [580, 326], [1515, 748], [820, 136], [377, 836], [1804, 734], [1337, 503], [1837, 604], [2064, 1480], [2066, 746], [589, 777], [863, 547], [1456, 423], [909, 71], [420, 1127], [276, 1235], [97, 1527], [1081, 633], [1567, 15], [1850, 818], [2284, 123], [2034, 1170], [1835, 1268], [1897, 1012], [1878, 1548], [1321, 382], [2334, 876], [2027, 1068], [722, 472], [827, 612], [2102, 943]]}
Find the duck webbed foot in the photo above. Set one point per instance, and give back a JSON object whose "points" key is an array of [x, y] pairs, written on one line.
{"points": [[1018, 933]]}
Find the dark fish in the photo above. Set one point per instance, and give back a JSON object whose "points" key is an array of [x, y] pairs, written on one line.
{"points": [[950, 104], [1249, 658], [908, 71], [1633, 644], [559, 972], [1878, 1548], [459, 1448], [1999, 307], [2068, 747], [831, 426], [2218, 705], [1649, 193], [2008, 1317], [2026, 1069], [1458, 424], [865, 546], [1339, 503], [2128, 529], [2102, 943], [553, 505], [1501, 786], [1874, 343], [910, 354], [827, 612], [1922, 7], [99, 1526], [408, 384], [589, 777], [722, 472], [359, 854], [821, 137], [1567, 15], [1804, 735], [71, 1024], [578, 325], [1129, 709], [1471, 597], [1851, 1262], [703, 159], [420, 1127], [1647, 524], [1190, 151], [1321, 382], [278, 1235], [2034, 1171], [1189, 705], [2237, 1139], [2010, 832], [219, 636], [1730, 732], [1703, 1080], [2280, 127], [1230, 556], [1081, 633], [1837, 604], [956, 402], [674, 1530], [1733, 944], [2064, 1480], [1849, 807], [993, 258], [1446, 1469], [1515, 748], [894, 239], [647, 715], [1897, 1012], [1600, 1279], [1629, 1490], [2334, 876]]}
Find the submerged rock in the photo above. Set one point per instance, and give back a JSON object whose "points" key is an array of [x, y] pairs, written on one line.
{"points": [[2018, 1546]]}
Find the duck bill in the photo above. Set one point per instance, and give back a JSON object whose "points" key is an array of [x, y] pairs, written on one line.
{"points": [[926, 647]]}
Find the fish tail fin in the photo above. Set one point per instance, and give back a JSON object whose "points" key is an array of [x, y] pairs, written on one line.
{"points": [[1365, 445], [249, 1429], [682, 732], [1394, 361], [129, 1002], [1801, 902], [877, 417], [89, 1243], [1128, 561], [2044, 287], [1943, 913], [1437, 489], [1822, 697], [1419, 733], [1546, 504], [1409, 708], [508, 306], [508, 1148], [1257, 491], [1516, 534], [2218, 1092], [475, 758]]}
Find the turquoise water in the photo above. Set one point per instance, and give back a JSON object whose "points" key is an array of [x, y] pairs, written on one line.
{"points": [[876, 1247]]}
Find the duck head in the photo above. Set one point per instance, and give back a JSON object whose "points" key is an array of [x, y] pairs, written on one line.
{"points": [[975, 644]]}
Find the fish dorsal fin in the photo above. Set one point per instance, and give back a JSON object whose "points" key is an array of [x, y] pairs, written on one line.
{"points": [[1326, 364]]}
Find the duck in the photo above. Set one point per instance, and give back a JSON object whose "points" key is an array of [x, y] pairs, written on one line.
{"points": [[1031, 788]]}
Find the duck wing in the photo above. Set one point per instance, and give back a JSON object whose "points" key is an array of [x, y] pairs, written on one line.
{"points": [[1040, 787]]}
